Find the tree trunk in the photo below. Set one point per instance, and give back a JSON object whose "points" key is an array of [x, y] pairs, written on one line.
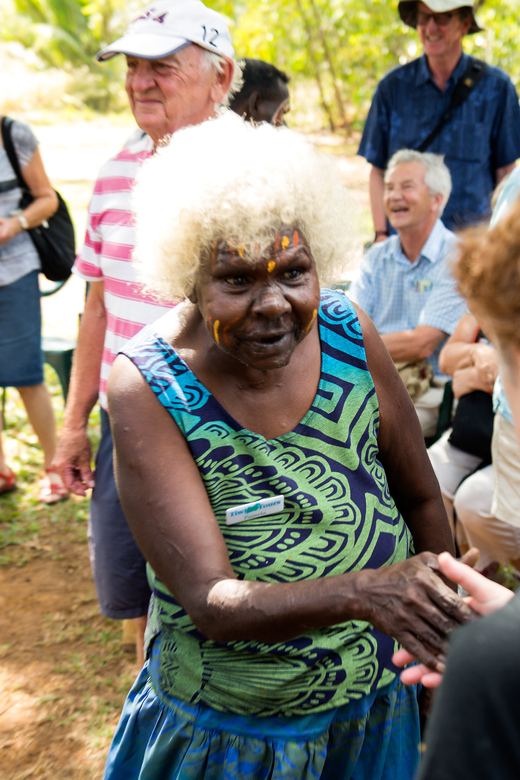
{"points": [[316, 66], [328, 57]]}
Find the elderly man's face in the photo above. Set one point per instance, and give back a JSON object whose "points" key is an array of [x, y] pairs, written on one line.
{"points": [[442, 39], [172, 92], [408, 202]]}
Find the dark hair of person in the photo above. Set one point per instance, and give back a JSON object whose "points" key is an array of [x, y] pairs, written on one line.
{"points": [[260, 76]]}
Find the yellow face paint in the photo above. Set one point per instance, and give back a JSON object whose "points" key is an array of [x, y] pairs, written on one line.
{"points": [[311, 323], [285, 242], [215, 331], [271, 265], [241, 251]]}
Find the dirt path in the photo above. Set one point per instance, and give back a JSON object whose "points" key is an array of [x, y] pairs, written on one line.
{"points": [[63, 673]]}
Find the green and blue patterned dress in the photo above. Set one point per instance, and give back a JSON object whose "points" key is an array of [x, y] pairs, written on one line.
{"points": [[329, 699]]}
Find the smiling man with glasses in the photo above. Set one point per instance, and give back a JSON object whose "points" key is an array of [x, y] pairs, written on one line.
{"points": [[480, 137]]}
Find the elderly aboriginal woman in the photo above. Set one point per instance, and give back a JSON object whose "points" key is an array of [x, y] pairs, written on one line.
{"points": [[272, 469]]}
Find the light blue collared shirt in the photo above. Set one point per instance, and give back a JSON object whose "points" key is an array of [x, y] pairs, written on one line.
{"points": [[507, 197], [400, 295]]}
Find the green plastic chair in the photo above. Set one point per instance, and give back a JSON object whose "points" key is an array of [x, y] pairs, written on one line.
{"points": [[58, 352]]}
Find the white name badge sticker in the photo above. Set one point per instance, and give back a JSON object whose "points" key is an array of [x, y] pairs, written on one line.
{"points": [[266, 506]]}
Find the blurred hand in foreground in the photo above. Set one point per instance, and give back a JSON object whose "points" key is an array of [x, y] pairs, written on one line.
{"points": [[484, 597]]}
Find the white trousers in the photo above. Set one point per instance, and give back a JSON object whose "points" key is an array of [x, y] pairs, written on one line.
{"points": [[487, 503], [427, 408]]}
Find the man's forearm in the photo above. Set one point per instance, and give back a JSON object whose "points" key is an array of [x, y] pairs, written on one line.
{"points": [[502, 173], [377, 194], [414, 344]]}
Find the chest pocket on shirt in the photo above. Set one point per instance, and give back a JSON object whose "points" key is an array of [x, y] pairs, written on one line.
{"points": [[422, 287], [465, 141]]}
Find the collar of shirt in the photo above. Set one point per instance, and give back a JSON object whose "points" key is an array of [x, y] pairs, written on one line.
{"points": [[432, 251], [423, 73]]}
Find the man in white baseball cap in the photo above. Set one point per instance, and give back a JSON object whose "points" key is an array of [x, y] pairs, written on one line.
{"points": [[164, 27], [179, 68], [448, 103]]}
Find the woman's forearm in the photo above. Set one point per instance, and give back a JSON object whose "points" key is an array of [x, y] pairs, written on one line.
{"points": [[405, 600]]}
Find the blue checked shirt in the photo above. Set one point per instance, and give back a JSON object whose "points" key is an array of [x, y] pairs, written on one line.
{"points": [[482, 135], [400, 295]]}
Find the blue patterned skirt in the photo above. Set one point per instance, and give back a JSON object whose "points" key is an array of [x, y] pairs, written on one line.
{"points": [[161, 738]]}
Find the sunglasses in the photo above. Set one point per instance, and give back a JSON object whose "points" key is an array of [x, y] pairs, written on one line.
{"points": [[441, 20]]}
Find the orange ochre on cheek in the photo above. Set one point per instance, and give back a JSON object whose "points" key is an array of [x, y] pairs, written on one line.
{"points": [[213, 329], [225, 329]]}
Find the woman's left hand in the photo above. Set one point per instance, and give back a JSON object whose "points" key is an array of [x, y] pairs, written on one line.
{"points": [[410, 602]]}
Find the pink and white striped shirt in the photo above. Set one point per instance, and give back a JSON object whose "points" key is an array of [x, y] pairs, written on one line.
{"points": [[107, 251]]}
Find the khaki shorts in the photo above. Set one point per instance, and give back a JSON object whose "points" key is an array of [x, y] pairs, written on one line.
{"points": [[506, 468]]}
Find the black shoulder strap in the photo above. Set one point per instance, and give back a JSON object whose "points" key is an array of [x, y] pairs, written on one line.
{"points": [[464, 86], [11, 151]]}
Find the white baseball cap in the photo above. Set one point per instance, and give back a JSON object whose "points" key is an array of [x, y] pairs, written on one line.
{"points": [[165, 26], [408, 10]]}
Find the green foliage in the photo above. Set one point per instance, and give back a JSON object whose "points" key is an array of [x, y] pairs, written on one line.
{"points": [[343, 46], [67, 34], [23, 520]]}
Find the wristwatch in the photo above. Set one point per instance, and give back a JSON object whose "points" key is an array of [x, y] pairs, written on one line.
{"points": [[23, 222]]}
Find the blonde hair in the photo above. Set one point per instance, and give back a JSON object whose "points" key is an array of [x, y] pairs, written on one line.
{"points": [[227, 179]]}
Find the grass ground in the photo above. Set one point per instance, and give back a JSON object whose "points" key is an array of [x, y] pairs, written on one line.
{"points": [[63, 672]]}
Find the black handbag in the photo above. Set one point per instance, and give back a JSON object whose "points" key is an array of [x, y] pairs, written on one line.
{"points": [[54, 239], [473, 425]]}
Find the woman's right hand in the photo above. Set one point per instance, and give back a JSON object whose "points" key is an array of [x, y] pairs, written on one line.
{"points": [[9, 228], [480, 374], [410, 601]]}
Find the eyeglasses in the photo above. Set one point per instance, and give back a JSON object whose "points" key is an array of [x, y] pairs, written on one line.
{"points": [[441, 20]]}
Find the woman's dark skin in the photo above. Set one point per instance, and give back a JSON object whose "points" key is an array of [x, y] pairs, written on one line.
{"points": [[250, 337]]}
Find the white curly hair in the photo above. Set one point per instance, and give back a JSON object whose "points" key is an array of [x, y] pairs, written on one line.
{"points": [[226, 179]]}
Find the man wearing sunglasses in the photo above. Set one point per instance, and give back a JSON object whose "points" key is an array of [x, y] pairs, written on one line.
{"points": [[481, 138]]}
